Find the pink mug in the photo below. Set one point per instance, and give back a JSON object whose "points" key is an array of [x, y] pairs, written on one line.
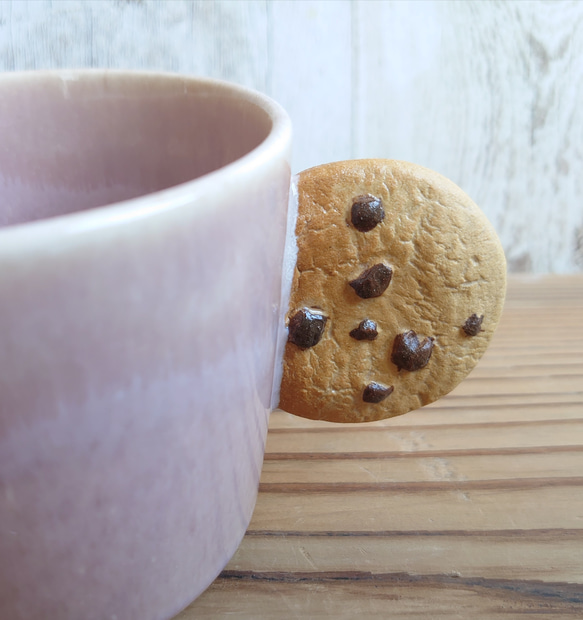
{"points": [[143, 223]]}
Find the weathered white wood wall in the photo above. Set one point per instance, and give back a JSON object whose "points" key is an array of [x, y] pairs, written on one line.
{"points": [[490, 93]]}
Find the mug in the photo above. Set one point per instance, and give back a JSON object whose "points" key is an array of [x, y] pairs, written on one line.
{"points": [[143, 226]]}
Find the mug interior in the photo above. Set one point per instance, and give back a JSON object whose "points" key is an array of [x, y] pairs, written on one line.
{"points": [[76, 141]]}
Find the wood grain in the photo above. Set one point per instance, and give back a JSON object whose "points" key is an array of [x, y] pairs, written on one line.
{"points": [[364, 595], [486, 93], [221, 39], [311, 75], [471, 507]]}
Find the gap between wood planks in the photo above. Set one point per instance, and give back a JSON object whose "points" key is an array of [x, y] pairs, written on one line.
{"points": [[568, 592]]}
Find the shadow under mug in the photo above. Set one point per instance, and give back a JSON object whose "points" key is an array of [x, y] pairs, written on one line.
{"points": [[138, 339]]}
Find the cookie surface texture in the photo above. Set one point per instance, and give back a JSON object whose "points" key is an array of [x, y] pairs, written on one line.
{"points": [[447, 271]]}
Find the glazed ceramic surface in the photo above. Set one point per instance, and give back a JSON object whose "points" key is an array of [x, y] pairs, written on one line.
{"points": [[138, 339]]}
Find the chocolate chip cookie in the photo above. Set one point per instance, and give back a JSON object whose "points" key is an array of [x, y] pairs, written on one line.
{"points": [[398, 287]]}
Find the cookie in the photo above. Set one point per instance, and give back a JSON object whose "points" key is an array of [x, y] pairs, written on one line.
{"points": [[397, 290]]}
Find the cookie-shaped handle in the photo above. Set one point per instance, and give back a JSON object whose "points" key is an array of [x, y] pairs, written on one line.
{"points": [[398, 285]]}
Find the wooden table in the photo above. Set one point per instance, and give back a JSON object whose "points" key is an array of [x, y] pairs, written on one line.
{"points": [[472, 506]]}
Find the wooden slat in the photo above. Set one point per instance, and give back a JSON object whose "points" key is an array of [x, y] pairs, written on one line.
{"points": [[536, 369], [470, 507], [493, 61], [349, 595], [461, 467], [550, 384], [307, 39], [437, 439], [526, 553], [443, 412], [445, 506], [221, 39]]}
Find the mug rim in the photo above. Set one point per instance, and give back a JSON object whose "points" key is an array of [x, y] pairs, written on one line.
{"points": [[147, 205]]}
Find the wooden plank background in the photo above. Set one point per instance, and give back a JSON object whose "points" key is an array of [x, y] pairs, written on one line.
{"points": [[488, 93]]}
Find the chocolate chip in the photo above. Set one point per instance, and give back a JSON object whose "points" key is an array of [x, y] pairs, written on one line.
{"points": [[372, 282], [375, 392], [409, 353], [367, 212], [306, 328], [366, 330], [473, 325]]}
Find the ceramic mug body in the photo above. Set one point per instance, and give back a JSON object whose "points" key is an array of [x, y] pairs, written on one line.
{"points": [[137, 339]]}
